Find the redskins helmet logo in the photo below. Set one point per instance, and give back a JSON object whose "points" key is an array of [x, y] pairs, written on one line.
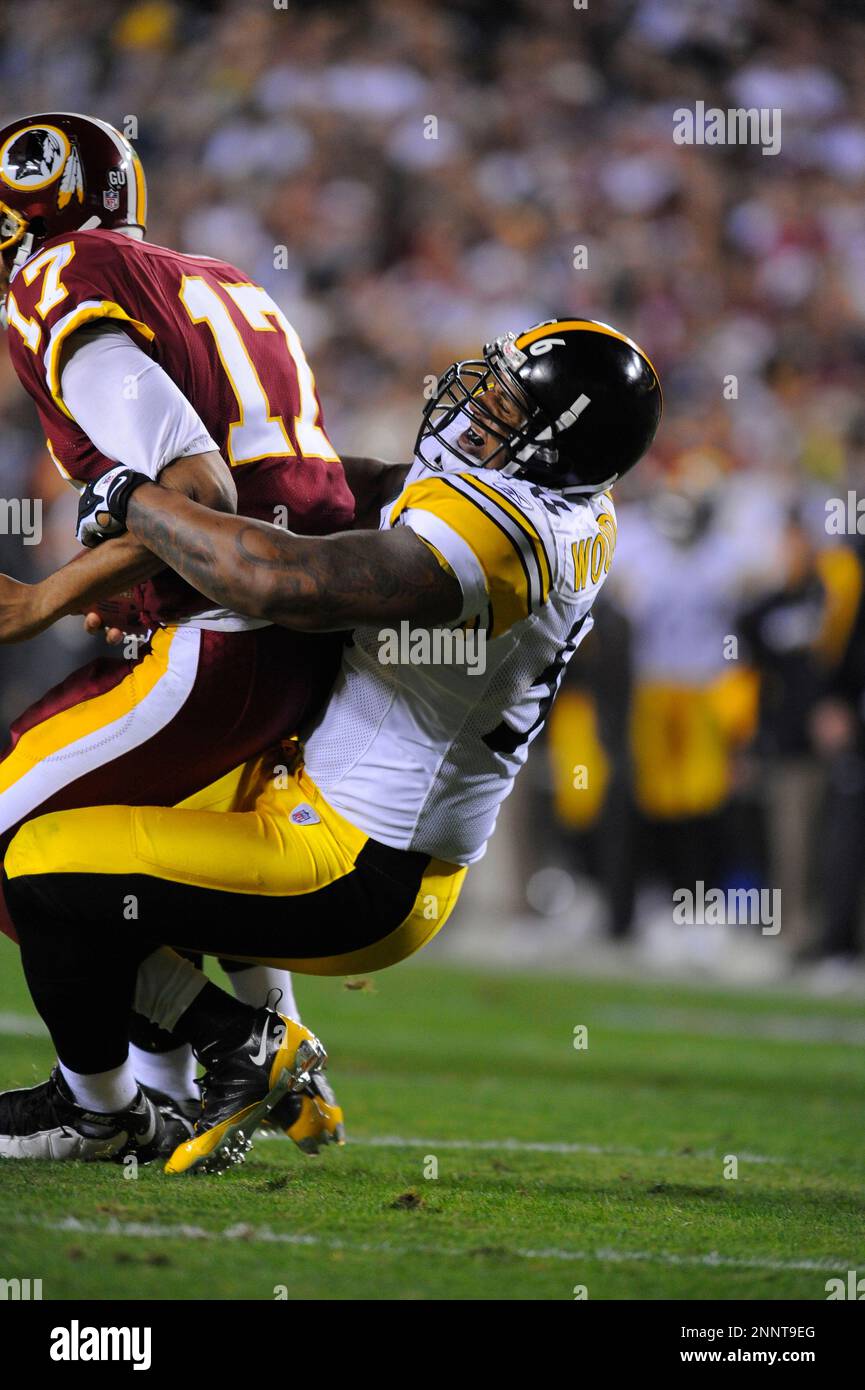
{"points": [[34, 157]]}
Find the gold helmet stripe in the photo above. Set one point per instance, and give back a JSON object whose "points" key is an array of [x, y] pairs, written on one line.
{"points": [[141, 191], [547, 330]]}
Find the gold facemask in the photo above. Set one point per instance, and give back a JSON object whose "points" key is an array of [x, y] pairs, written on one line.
{"points": [[12, 227]]}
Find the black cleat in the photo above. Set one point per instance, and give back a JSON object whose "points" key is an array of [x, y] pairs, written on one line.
{"points": [[46, 1122], [242, 1085], [178, 1118]]}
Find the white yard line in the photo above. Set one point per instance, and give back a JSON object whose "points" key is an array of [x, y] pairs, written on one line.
{"points": [[28, 1025], [140, 1230], [719, 1023], [432, 1146]]}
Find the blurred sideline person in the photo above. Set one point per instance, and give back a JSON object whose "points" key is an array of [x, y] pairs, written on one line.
{"points": [[838, 732], [782, 633], [591, 771], [794, 692], [679, 583], [500, 540], [182, 368]]}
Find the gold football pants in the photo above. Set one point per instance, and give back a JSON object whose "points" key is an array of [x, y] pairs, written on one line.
{"points": [[257, 867]]}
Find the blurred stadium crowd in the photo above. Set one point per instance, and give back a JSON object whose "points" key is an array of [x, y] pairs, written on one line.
{"points": [[409, 178]]}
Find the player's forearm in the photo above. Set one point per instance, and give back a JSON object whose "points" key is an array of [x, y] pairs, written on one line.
{"points": [[314, 584], [97, 574], [26, 610], [249, 566], [118, 564], [122, 562]]}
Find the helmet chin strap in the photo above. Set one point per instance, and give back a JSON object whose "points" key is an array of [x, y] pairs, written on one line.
{"points": [[446, 462], [24, 252]]}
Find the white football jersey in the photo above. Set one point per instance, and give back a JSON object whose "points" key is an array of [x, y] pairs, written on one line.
{"points": [[427, 729]]}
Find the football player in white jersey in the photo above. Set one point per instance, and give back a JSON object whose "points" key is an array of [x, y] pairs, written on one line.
{"points": [[349, 853]]}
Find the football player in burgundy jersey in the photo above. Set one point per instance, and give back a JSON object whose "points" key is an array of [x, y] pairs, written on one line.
{"points": [[181, 367]]}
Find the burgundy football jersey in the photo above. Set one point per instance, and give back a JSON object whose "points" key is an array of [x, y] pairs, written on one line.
{"points": [[227, 346]]}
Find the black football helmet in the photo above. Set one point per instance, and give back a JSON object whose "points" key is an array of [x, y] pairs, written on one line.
{"points": [[573, 403]]}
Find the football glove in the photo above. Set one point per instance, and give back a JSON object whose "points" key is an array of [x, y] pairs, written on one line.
{"points": [[103, 503]]}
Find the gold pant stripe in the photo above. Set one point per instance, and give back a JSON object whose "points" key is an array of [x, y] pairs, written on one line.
{"points": [[433, 906]]}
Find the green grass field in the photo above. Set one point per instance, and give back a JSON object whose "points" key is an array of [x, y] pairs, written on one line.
{"points": [[557, 1167]]}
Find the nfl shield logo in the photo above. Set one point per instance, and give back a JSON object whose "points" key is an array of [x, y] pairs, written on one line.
{"points": [[111, 199]]}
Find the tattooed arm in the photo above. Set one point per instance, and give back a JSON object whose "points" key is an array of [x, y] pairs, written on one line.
{"points": [[314, 584]]}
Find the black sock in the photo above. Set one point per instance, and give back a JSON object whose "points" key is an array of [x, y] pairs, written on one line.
{"points": [[214, 1021]]}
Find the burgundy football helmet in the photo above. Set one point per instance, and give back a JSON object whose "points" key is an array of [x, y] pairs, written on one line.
{"points": [[62, 173]]}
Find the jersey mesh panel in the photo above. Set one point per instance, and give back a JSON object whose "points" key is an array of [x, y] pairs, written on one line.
{"points": [[471, 760], [369, 696]]}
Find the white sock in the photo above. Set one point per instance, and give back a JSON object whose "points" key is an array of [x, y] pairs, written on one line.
{"points": [[253, 987], [172, 1072], [166, 986], [104, 1091]]}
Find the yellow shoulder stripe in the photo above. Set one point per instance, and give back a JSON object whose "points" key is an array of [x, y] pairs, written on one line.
{"points": [[524, 524], [105, 309], [497, 552], [441, 559]]}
